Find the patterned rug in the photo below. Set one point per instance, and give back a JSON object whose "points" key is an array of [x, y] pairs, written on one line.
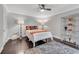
{"points": [[52, 47]]}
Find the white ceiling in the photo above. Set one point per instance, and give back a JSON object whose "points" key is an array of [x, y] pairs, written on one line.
{"points": [[26, 11], [34, 11]]}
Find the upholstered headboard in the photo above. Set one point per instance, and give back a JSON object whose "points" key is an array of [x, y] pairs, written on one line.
{"points": [[31, 27]]}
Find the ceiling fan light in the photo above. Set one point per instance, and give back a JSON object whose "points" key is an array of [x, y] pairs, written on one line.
{"points": [[42, 10]]}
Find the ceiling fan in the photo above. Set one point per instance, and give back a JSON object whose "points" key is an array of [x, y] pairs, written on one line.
{"points": [[43, 7]]}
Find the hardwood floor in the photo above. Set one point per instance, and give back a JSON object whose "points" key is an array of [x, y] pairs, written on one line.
{"points": [[18, 46]]}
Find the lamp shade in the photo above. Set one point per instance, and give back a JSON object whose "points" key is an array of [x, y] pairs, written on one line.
{"points": [[42, 10]]}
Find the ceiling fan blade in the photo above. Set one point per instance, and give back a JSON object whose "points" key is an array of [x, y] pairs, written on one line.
{"points": [[42, 6], [48, 9]]}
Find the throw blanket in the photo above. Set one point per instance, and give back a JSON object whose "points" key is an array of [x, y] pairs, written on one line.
{"points": [[36, 31]]}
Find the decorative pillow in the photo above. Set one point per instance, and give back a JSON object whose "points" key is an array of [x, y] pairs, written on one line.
{"points": [[31, 27]]}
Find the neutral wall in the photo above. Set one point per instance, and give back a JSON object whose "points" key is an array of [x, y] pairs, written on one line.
{"points": [[54, 25], [76, 30], [3, 28], [1, 25]]}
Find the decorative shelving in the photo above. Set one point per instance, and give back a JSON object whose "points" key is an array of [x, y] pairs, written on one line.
{"points": [[68, 29]]}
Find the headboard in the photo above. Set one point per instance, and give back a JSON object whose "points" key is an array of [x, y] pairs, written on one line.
{"points": [[31, 27]]}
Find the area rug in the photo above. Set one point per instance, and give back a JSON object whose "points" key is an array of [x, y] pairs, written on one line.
{"points": [[52, 47]]}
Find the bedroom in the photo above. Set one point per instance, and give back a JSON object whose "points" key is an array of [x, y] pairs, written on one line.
{"points": [[17, 18]]}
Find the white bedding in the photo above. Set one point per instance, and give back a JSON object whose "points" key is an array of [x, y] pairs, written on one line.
{"points": [[38, 36], [42, 35]]}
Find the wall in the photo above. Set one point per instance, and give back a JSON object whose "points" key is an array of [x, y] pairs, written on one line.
{"points": [[31, 21], [54, 25], [3, 28], [1, 25], [76, 30]]}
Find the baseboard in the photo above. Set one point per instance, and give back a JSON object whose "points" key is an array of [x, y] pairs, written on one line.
{"points": [[57, 37], [71, 44], [2, 46]]}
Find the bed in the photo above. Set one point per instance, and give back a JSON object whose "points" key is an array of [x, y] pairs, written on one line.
{"points": [[35, 34]]}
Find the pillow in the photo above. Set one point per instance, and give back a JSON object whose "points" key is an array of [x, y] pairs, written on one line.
{"points": [[31, 27]]}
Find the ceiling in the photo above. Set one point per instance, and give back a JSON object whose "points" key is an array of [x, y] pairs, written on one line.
{"points": [[34, 11]]}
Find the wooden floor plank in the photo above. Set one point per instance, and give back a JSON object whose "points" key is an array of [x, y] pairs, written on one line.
{"points": [[18, 45]]}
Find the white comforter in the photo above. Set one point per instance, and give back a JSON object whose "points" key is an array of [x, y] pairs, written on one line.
{"points": [[38, 36]]}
